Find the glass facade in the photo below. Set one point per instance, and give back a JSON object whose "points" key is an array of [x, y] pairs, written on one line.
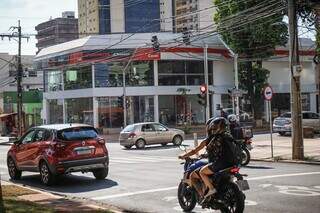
{"points": [[183, 73], [142, 16], [140, 109], [104, 17], [139, 73], [55, 108], [79, 110], [178, 109], [53, 80], [78, 78], [110, 112]]}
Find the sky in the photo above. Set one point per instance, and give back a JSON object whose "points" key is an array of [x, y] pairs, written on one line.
{"points": [[30, 13]]}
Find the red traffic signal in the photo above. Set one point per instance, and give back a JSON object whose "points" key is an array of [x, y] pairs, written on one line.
{"points": [[203, 89]]}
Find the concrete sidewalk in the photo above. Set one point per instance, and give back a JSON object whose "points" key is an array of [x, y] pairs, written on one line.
{"points": [[282, 148], [63, 203]]}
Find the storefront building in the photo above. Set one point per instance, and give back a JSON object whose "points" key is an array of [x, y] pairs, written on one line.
{"points": [[83, 80]]}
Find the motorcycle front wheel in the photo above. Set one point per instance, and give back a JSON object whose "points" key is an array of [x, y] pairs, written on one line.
{"points": [[245, 158], [232, 198], [186, 197]]}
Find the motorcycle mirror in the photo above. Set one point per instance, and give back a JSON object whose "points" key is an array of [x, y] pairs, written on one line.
{"points": [[183, 148]]}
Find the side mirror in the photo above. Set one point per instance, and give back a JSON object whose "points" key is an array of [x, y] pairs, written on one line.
{"points": [[14, 140]]}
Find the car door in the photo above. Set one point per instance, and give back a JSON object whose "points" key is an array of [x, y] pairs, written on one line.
{"points": [[306, 119], [35, 147], [148, 133], [163, 135], [23, 154]]}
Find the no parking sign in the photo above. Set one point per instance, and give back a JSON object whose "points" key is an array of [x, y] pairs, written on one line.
{"points": [[268, 93]]}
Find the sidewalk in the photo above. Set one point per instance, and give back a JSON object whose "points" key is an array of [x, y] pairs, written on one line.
{"points": [[47, 200], [282, 148]]}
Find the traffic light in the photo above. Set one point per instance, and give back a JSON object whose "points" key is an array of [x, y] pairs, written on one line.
{"points": [[155, 43], [186, 36], [120, 101], [203, 95], [127, 103]]}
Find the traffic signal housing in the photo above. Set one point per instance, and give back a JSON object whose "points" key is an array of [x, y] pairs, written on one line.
{"points": [[120, 101], [155, 43], [186, 36], [203, 95]]}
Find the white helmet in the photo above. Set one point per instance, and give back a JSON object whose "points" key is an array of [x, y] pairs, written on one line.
{"points": [[232, 118]]}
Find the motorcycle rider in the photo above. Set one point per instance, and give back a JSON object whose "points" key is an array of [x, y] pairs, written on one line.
{"points": [[219, 151], [233, 124]]}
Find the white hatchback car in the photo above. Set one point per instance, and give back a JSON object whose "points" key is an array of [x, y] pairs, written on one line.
{"points": [[283, 124]]}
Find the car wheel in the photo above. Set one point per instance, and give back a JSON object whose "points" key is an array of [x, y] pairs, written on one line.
{"points": [[128, 147], [177, 140], [282, 133], [140, 144], [47, 178], [14, 173], [101, 174], [164, 144]]}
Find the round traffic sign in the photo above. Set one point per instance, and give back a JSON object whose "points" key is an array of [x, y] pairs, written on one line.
{"points": [[268, 93]]}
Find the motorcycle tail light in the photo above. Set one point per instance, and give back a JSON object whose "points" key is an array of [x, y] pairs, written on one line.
{"points": [[235, 170]]}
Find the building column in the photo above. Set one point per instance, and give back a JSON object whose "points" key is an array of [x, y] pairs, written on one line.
{"points": [[95, 112], [313, 102], [156, 97], [44, 112], [216, 100], [64, 111]]}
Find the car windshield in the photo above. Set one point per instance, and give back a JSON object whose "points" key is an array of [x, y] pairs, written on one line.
{"points": [[286, 115], [77, 133], [129, 128]]}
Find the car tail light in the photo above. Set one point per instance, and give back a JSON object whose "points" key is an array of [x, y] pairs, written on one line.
{"points": [[101, 141], [235, 170], [132, 135]]}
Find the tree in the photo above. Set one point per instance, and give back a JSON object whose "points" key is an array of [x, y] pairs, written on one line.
{"points": [[252, 29]]}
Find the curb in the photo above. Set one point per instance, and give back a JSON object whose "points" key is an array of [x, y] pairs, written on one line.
{"points": [[288, 161], [91, 203]]}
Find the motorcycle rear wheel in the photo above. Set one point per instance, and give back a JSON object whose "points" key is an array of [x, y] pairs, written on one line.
{"points": [[245, 158], [186, 197], [232, 198]]}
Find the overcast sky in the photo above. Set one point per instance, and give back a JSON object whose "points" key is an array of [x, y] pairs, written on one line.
{"points": [[30, 13]]}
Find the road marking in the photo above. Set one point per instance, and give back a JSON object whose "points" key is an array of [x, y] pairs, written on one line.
{"points": [[284, 175], [265, 185], [3, 167], [176, 187], [132, 160], [134, 193]]}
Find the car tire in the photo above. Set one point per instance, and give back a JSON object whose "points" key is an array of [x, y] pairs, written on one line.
{"points": [[282, 133], [140, 144], [177, 140], [101, 174], [47, 177], [164, 144], [128, 147], [14, 173]]}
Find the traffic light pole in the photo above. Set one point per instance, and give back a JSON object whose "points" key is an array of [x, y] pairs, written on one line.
{"points": [[206, 80], [19, 87], [297, 139]]}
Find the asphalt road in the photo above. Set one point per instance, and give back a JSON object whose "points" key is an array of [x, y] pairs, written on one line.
{"points": [[146, 181]]}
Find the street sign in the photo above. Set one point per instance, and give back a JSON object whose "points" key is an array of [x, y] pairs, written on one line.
{"points": [[268, 93]]}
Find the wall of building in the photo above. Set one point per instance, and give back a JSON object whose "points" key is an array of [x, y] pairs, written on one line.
{"points": [[88, 12], [117, 16], [166, 14], [206, 15]]}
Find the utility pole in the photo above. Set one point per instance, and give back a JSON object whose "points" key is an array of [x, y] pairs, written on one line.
{"points": [[206, 81], [317, 24], [295, 68], [19, 72]]}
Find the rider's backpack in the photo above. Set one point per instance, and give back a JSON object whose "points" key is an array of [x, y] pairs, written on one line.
{"points": [[236, 151]]}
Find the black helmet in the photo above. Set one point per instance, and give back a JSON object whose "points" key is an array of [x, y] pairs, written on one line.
{"points": [[216, 125]]}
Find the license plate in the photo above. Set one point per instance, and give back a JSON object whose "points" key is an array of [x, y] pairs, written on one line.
{"points": [[243, 185], [84, 151]]}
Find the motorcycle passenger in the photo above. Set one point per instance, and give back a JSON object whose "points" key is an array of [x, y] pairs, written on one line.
{"points": [[233, 124]]}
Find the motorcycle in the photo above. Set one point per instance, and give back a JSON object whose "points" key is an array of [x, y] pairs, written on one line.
{"points": [[243, 137], [229, 184]]}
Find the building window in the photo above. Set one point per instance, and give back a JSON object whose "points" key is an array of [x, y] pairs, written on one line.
{"points": [[140, 109], [78, 78], [53, 80], [183, 73], [110, 112], [79, 110], [178, 110], [139, 73], [55, 111]]}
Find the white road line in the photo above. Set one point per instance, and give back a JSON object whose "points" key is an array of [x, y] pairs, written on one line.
{"points": [[3, 167], [284, 175], [134, 193], [175, 187]]}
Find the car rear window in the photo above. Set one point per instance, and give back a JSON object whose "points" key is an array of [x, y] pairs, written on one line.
{"points": [[286, 115], [77, 133], [129, 128]]}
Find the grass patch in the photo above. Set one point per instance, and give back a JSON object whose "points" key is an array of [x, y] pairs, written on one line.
{"points": [[14, 191], [310, 158], [11, 205]]}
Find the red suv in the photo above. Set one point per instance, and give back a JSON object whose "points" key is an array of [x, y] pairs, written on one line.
{"points": [[59, 149]]}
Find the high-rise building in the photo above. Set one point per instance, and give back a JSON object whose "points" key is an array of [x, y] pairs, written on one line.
{"points": [[58, 30], [196, 15], [119, 16]]}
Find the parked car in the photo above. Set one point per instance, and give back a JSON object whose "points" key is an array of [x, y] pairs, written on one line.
{"points": [[283, 124], [58, 149], [141, 134]]}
